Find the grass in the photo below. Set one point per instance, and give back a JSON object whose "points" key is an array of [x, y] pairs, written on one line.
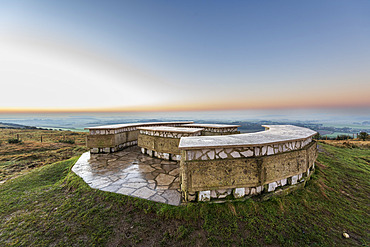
{"points": [[52, 206], [335, 134], [47, 136], [21, 157]]}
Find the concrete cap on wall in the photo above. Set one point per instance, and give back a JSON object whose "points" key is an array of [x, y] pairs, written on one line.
{"points": [[273, 134]]}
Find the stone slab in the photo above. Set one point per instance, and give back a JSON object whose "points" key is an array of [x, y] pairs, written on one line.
{"points": [[172, 129], [132, 174], [214, 126], [273, 134], [118, 126]]}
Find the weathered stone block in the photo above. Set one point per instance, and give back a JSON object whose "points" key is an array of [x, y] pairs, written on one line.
{"points": [[159, 144], [272, 186], [213, 194], [211, 154], [204, 196], [270, 150], [221, 173], [253, 191], [259, 189], [223, 193], [294, 180], [235, 154], [223, 155], [247, 153], [283, 182], [166, 156], [239, 192], [100, 141], [192, 196]]}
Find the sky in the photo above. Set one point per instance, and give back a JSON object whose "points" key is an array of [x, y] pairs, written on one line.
{"points": [[183, 55]]}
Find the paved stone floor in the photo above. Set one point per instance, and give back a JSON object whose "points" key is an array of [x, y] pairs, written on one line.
{"points": [[132, 173]]}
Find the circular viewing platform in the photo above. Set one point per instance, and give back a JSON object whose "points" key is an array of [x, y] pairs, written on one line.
{"points": [[209, 167]]}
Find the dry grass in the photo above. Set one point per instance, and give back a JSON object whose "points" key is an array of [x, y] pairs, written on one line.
{"points": [[20, 158], [347, 143]]}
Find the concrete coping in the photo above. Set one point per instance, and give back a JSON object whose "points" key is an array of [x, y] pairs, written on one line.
{"points": [[172, 129], [119, 126], [215, 126], [272, 135]]}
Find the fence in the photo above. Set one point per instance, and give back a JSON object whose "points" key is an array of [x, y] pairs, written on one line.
{"points": [[43, 136]]}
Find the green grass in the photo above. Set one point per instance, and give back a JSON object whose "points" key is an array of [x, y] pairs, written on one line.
{"points": [[335, 134], [53, 206], [353, 126]]}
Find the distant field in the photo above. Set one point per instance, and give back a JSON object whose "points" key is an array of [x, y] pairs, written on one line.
{"points": [[348, 143], [66, 129], [46, 135], [335, 134], [353, 126], [22, 157]]}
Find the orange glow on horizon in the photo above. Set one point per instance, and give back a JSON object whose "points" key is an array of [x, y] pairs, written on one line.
{"points": [[206, 106]]}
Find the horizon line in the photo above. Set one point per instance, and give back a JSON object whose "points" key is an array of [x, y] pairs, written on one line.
{"points": [[14, 110]]}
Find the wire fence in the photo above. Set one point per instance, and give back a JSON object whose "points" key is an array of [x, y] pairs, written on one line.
{"points": [[43, 136]]}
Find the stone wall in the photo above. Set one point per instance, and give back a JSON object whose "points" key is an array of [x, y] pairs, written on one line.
{"points": [[109, 143], [215, 129], [244, 176], [163, 144], [112, 138], [239, 172], [247, 151], [221, 167]]}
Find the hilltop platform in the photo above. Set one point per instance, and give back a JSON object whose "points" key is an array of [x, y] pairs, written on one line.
{"points": [[204, 168], [131, 173]]}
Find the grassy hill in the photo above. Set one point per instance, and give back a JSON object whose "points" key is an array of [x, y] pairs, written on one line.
{"points": [[36, 148], [51, 206]]}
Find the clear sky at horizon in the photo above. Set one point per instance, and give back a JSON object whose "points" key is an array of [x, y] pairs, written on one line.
{"points": [[183, 55]]}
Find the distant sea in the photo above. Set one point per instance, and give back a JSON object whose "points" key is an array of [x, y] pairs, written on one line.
{"points": [[338, 116]]}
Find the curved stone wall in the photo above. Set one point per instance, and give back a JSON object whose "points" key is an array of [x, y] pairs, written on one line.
{"points": [[112, 138], [163, 142], [244, 165], [215, 129], [220, 166]]}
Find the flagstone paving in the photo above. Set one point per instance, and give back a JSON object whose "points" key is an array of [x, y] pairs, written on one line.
{"points": [[131, 173]]}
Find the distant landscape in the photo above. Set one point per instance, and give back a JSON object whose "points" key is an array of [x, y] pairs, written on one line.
{"points": [[330, 125]]}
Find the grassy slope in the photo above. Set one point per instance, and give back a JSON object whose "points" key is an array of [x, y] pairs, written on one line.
{"points": [[22, 157], [52, 206]]}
